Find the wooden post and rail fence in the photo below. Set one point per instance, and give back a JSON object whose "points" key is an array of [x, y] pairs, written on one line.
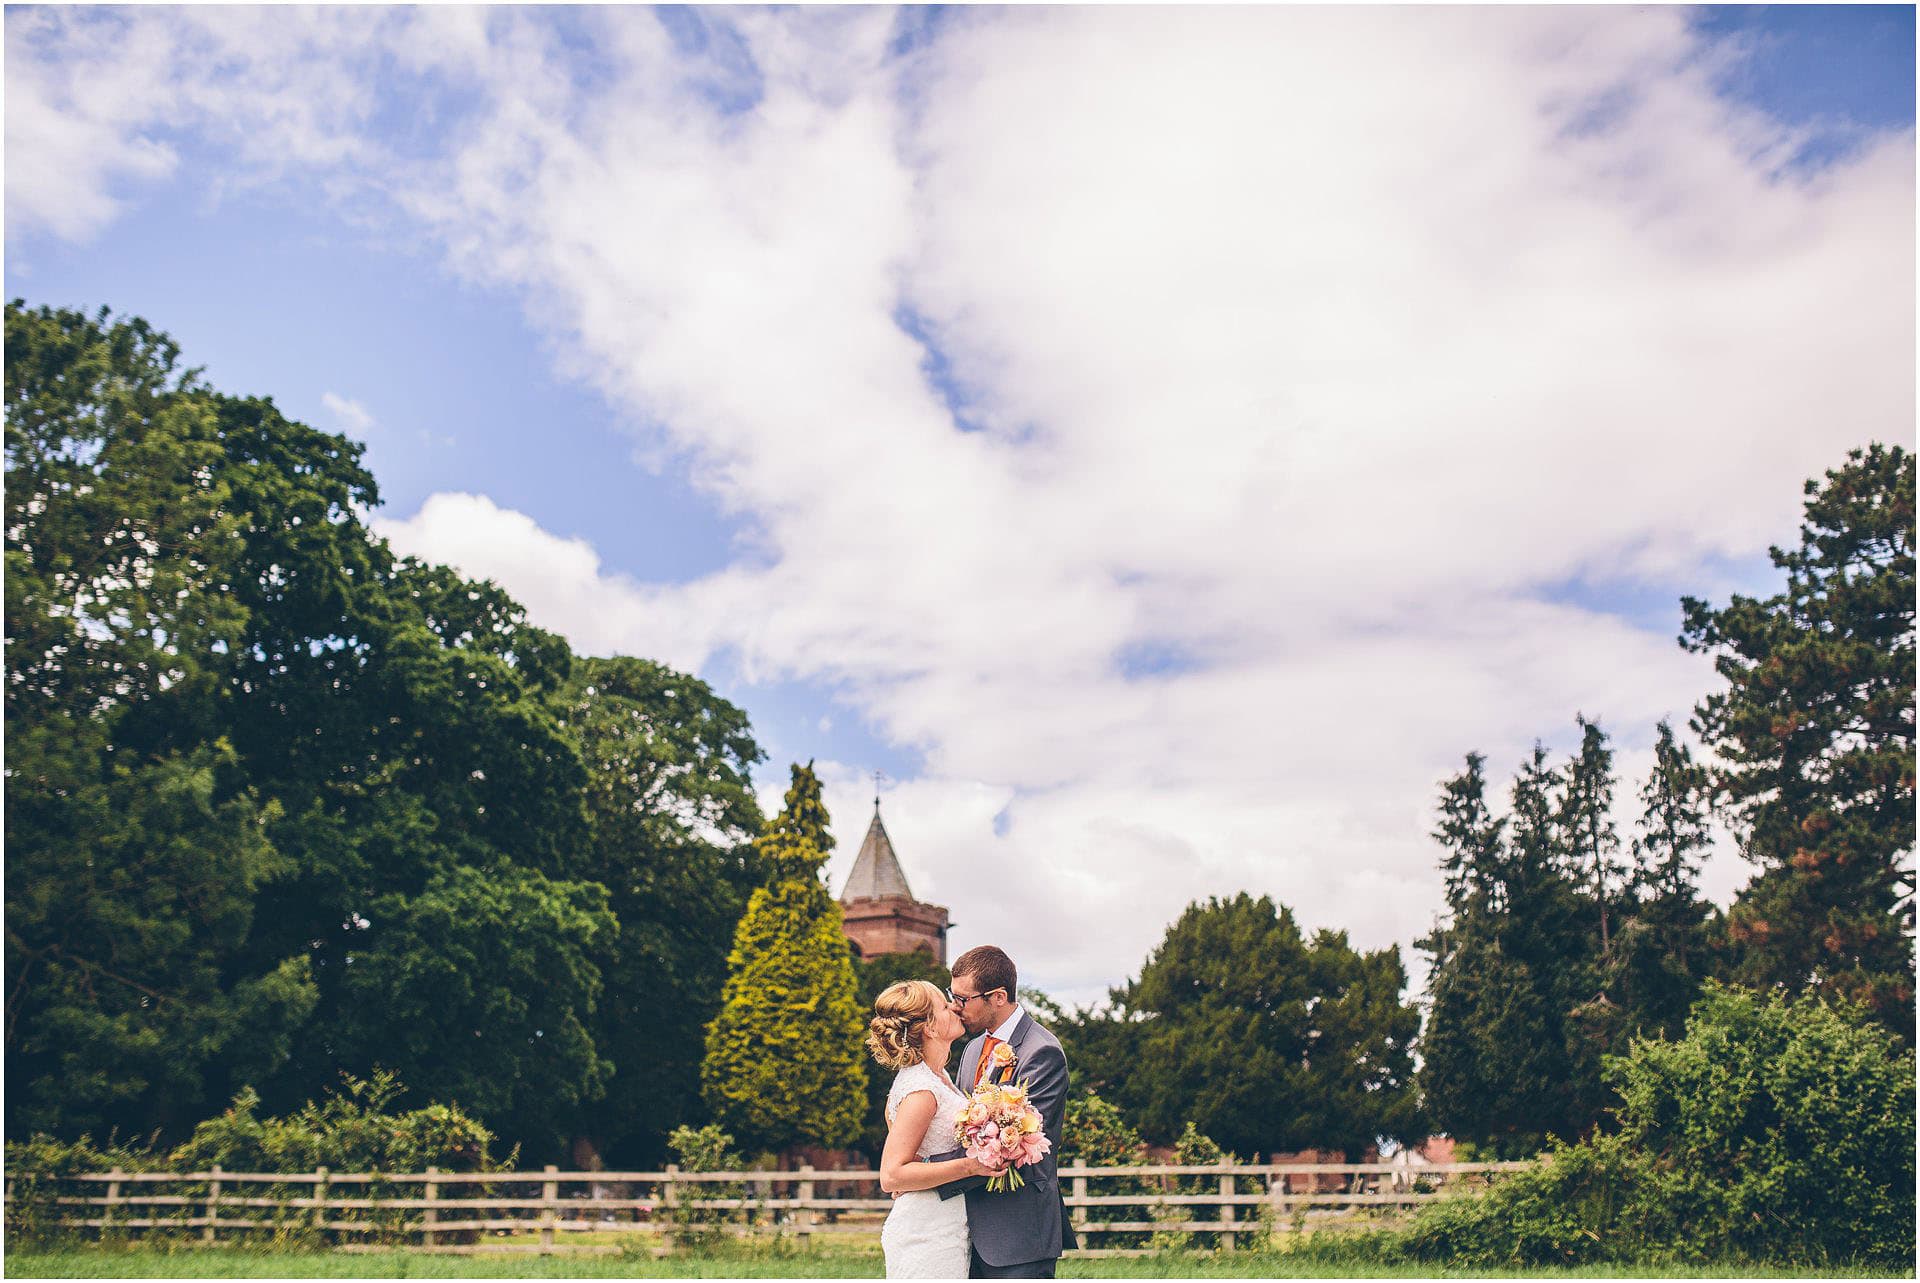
{"points": [[1116, 1209]]}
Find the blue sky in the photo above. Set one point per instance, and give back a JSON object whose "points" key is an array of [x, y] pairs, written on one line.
{"points": [[525, 378], [1821, 64]]}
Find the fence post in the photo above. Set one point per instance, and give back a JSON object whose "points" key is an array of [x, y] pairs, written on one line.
{"points": [[669, 1200], [550, 1199], [432, 1195], [208, 1235], [1226, 1207], [1079, 1213], [805, 1219], [106, 1210], [320, 1204]]}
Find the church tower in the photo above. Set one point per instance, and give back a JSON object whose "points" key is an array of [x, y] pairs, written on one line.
{"points": [[878, 908]]}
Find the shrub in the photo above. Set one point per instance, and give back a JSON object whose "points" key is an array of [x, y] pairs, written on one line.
{"points": [[36, 1168], [351, 1130], [1095, 1133], [1788, 1123], [1772, 1128], [1193, 1149], [703, 1149]]}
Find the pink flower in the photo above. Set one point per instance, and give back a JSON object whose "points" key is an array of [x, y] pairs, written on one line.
{"points": [[1001, 1131]]}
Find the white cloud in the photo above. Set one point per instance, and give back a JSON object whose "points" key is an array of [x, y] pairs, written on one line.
{"points": [[353, 418], [73, 129], [100, 100], [560, 581], [1310, 344]]}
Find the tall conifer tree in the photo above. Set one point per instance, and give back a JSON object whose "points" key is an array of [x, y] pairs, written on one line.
{"points": [[1816, 732], [1586, 823], [1675, 826], [1659, 957], [784, 1063], [1470, 841], [1505, 1064]]}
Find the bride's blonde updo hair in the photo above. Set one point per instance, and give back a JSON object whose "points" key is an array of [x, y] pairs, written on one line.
{"points": [[900, 1016]]}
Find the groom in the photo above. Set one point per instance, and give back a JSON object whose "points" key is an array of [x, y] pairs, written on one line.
{"points": [[1016, 1235]]}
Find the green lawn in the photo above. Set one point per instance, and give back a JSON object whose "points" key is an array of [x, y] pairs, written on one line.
{"points": [[234, 1263]]}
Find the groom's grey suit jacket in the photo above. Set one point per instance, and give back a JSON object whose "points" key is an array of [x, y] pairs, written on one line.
{"points": [[1030, 1223]]}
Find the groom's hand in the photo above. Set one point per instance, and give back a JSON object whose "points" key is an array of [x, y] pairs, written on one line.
{"points": [[961, 1186]]}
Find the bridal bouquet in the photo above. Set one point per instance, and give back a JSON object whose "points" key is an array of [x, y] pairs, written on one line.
{"points": [[1000, 1128]]}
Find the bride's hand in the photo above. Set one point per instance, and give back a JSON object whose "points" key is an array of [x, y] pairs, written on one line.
{"points": [[977, 1168]]}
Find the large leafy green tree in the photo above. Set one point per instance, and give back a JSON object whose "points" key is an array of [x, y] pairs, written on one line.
{"points": [[248, 748], [132, 867], [482, 990], [784, 1062], [407, 720], [1263, 1038], [672, 816], [129, 897], [1814, 732]]}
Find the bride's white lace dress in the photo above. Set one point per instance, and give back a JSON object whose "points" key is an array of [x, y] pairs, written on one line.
{"points": [[925, 1236]]}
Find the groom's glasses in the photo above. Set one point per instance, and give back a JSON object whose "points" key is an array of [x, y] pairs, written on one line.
{"points": [[964, 998]]}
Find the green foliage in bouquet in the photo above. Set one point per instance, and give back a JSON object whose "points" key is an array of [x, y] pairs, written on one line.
{"points": [[1773, 1128], [784, 1063]]}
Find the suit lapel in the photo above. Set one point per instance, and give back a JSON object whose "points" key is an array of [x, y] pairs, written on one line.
{"points": [[1021, 1028]]}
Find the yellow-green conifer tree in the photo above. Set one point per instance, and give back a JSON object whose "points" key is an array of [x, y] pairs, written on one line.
{"points": [[784, 1063]]}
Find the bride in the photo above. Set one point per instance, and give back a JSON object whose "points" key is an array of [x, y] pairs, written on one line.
{"points": [[913, 1032]]}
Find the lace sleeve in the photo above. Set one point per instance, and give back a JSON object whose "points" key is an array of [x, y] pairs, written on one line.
{"points": [[909, 1080]]}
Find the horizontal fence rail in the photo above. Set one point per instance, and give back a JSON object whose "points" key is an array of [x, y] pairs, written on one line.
{"points": [[1115, 1209]]}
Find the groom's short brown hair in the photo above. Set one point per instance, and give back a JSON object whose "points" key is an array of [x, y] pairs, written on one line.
{"points": [[990, 968]]}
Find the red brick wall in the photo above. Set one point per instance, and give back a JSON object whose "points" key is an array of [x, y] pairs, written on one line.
{"points": [[895, 925]]}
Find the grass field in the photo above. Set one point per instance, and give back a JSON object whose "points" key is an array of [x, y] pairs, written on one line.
{"points": [[823, 1264]]}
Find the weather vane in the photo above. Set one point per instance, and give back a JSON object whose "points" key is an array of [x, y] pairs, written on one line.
{"points": [[878, 776]]}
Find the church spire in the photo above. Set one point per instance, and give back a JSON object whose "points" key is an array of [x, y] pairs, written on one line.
{"points": [[878, 911], [876, 870]]}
